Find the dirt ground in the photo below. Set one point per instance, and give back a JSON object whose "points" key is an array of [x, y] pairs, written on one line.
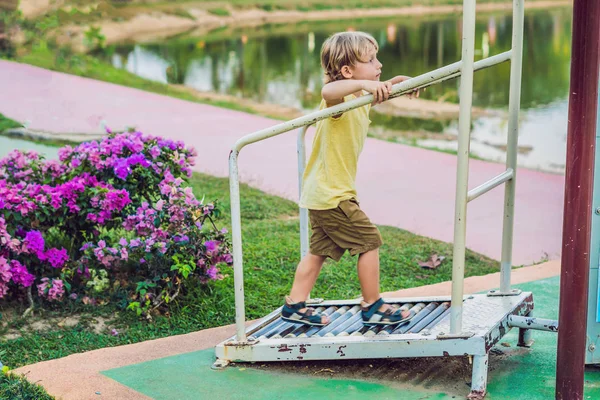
{"points": [[436, 374]]}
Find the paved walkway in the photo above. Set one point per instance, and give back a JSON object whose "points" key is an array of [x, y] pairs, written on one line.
{"points": [[398, 185], [178, 367]]}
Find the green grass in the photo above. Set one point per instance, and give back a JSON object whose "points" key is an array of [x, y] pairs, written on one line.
{"points": [[15, 387], [7, 123], [220, 12], [271, 252]]}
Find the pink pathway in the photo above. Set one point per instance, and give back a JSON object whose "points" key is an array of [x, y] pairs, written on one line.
{"points": [[402, 186]]}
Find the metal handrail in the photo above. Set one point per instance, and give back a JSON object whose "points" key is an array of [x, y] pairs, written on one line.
{"points": [[436, 76], [462, 176]]}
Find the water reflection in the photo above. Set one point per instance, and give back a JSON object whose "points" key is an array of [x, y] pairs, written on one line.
{"points": [[280, 65]]}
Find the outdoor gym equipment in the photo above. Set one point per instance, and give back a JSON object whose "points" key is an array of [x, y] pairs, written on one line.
{"points": [[443, 326]]}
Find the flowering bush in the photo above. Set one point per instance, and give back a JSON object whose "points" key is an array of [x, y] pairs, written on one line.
{"points": [[110, 217]]}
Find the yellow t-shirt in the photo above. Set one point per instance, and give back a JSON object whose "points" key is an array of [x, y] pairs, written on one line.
{"points": [[330, 174]]}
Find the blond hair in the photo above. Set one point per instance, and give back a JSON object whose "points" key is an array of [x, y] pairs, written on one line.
{"points": [[344, 48]]}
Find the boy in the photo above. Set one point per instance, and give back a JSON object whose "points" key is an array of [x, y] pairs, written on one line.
{"points": [[349, 60]]}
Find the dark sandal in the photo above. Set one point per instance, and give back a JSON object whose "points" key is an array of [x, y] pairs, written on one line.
{"points": [[291, 313], [372, 316]]}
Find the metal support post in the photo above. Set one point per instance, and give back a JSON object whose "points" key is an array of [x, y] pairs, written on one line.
{"points": [[236, 234], [525, 339], [462, 168], [301, 149], [579, 180], [514, 104], [479, 377]]}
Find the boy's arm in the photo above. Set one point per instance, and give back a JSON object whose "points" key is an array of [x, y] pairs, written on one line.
{"points": [[334, 92]]}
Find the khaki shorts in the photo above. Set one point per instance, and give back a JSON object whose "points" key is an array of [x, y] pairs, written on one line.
{"points": [[345, 227]]}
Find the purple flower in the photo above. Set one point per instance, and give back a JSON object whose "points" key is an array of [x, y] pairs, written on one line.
{"points": [[212, 272], [211, 245], [138, 159], [182, 238], [155, 152], [34, 242], [57, 258], [121, 169]]}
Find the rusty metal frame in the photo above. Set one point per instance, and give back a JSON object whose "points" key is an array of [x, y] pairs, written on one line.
{"points": [[488, 319]]}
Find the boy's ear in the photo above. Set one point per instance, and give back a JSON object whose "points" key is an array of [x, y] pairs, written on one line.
{"points": [[346, 72]]}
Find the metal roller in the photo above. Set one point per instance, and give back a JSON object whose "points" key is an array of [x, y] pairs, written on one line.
{"points": [[438, 319], [261, 332], [418, 327], [338, 322], [422, 314], [352, 328], [357, 317], [338, 313]]}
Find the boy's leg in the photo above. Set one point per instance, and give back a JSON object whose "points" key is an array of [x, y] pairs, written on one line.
{"points": [[306, 276], [368, 275]]}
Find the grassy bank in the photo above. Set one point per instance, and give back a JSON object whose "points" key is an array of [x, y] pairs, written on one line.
{"points": [[129, 8], [7, 123]]}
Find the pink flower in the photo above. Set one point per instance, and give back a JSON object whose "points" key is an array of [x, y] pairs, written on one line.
{"points": [[3, 289], [57, 290], [5, 274], [20, 275]]}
